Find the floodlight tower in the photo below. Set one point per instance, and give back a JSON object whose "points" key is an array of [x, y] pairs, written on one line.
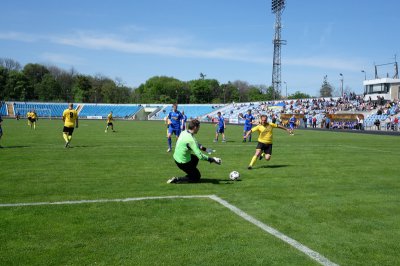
{"points": [[277, 8]]}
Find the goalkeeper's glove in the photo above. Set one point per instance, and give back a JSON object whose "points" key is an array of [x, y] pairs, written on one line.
{"points": [[214, 160]]}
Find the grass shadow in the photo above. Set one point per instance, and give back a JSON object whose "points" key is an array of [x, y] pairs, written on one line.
{"points": [[14, 147], [274, 166], [216, 181]]}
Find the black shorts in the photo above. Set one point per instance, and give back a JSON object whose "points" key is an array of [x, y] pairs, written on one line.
{"points": [[266, 148], [109, 124], [32, 120], [68, 130], [190, 168]]}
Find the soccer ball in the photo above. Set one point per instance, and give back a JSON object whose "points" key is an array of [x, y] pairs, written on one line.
{"points": [[234, 175]]}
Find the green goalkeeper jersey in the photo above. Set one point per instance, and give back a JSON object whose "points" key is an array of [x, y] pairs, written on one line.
{"points": [[185, 145]]}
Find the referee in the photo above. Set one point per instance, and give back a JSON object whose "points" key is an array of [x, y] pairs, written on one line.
{"points": [[188, 153]]}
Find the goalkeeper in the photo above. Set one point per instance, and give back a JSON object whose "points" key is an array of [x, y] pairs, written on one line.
{"points": [[185, 160]]}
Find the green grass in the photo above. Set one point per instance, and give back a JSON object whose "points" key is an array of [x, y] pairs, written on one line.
{"points": [[336, 193]]}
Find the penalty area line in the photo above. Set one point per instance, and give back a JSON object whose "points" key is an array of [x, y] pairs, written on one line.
{"points": [[294, 243]]}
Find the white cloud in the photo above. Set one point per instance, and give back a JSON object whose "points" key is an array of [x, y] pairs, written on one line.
{"points": [[184, 47], [325, 62], [18, 36], [62, 59], [169, 46]]}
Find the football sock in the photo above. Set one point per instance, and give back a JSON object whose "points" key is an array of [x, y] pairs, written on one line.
{"points": [[253, 160], [65, 136], [69, 138], [170, 143]]}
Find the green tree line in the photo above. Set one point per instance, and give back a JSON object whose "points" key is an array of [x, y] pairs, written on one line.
{"points": [[36, 82]]}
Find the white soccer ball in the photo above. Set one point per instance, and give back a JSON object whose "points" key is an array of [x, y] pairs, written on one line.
{"points": [[234, 175]]}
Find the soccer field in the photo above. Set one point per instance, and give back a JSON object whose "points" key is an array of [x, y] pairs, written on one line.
{"points": [[337, 194]]}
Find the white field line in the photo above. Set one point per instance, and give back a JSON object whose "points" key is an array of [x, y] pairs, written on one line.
{"points": [[98, 201], [297, 245]]}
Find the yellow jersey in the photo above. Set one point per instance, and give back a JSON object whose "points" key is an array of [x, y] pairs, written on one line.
{"points": [[265, 132], [70, 116], [109, 118]]}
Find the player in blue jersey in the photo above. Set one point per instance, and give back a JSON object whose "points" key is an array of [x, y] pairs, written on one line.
{"points": [[248, 124], [292, 124], [174, 124], [184, 120], [220, 127]]}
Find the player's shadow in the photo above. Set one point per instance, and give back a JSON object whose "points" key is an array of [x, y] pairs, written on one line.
{"points": [[274, 166], [14, 147], [83, 146], [215, 181]]}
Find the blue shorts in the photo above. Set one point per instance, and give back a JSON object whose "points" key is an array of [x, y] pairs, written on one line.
{"points": [[247, 127], [291, 125], [176, 131], [220, 130]]}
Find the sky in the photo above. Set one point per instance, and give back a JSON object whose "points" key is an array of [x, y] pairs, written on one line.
{"points": [[227, 40]]}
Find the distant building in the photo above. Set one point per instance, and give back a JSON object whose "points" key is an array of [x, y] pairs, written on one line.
{"points": [[388, 88]]}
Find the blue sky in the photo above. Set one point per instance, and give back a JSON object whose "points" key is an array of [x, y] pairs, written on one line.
{"points": [[134, 40]]}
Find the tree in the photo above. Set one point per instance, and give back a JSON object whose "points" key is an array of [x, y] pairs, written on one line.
{"points": [[48, 89], [108, 91], [10, 64], [255, 94], [299, 95], [123, 94], [271, 94], [3, 81], [34, 73], [81, 88], [161, 89], [326, 88], [202, 90], [16, 86], [243, 88], [65, 80]]}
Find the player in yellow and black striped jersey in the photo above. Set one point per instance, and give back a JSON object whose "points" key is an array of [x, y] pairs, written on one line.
{"points": [[32, 117], [70, 118], [110, 120]]}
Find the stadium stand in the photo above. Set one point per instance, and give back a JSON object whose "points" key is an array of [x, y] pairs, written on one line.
{"points": [[319, 108], [3, 109], [191, 110], [119, 110], [41, 109]]}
